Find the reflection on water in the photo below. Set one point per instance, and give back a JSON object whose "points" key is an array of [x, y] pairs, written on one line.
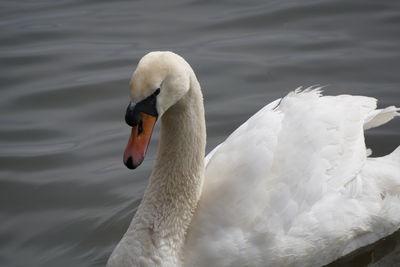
{"points": [[384, 253], [66, 198]]}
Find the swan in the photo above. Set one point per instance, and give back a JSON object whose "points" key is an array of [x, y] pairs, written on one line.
{"points": [[292, 186]]}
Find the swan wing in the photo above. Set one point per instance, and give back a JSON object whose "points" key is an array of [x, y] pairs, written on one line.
{"points": [[293, 185]]}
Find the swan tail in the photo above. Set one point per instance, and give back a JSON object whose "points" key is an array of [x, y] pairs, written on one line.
{"points": [[379, 117], [381, 182], [386, 172], [394, 160]]}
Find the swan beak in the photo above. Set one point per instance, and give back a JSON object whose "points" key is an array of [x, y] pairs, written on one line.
{"points": [[139, 140]]}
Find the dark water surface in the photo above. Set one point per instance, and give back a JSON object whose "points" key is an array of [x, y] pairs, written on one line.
{"points": [[65, 196]]}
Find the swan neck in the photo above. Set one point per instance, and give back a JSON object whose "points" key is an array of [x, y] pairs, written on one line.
{"points": [[179, 166], [182, 138], [177, 177]]}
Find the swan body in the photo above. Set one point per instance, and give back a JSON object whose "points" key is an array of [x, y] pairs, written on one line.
{"points": [[292, 186]]}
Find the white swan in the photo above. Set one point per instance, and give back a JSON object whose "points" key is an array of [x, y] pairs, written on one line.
{"points": [[292, 186]]}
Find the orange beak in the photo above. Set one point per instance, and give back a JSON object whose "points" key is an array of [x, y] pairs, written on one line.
{"points": [[139, 140]]}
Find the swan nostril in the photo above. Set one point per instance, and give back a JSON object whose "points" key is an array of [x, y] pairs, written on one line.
{"points": [[129, 163], [140, 127]]}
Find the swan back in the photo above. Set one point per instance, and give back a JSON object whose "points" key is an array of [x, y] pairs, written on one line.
{"points": [[291, 186]]}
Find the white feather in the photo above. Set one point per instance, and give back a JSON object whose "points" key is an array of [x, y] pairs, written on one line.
{"points": [[293, 186]]}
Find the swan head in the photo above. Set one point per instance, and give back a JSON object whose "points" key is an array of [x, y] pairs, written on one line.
{"points": [[160, 80]]}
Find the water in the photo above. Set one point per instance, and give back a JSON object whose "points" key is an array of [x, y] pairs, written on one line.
{"points": [[65, 196]]}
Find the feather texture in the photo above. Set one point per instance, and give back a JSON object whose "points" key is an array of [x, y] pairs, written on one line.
{"points": [[293, 186]]}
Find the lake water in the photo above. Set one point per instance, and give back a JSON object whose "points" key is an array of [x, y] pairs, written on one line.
{"points": [[65, 196]]}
